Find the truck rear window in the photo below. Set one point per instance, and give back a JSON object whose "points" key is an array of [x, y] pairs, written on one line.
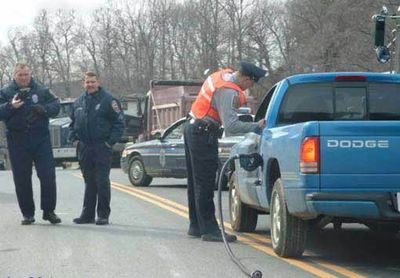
{"points": [[326, 102]]}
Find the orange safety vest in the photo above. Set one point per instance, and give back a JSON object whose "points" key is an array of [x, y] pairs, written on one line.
{"points": [[201, 107]]}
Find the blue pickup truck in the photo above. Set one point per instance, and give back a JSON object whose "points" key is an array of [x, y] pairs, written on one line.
{"points": [[330, 154]]}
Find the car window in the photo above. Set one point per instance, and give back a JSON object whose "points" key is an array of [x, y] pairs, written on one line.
{"points": [[350, 103], [329, 101], [176, 132], [262, 109], [306, 102], [384, 100]]}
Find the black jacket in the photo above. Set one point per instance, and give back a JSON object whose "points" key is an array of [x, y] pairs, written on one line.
{"points": [[24, 118], [97, 118]]}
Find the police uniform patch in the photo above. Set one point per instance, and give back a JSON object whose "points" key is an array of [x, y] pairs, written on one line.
{"points": [[35, 98], [115, 106]]}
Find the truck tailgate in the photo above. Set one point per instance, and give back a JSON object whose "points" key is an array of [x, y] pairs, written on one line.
{"points": [[360, 155]]}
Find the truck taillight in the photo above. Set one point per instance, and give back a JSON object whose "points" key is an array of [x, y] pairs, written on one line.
{"points": [[309, 155]]}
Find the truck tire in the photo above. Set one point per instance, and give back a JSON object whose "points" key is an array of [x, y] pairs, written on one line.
{"points": [[243, 218], [288, 233], [137, 172]]}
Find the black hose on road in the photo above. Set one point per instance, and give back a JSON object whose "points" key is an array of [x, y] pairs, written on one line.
{"points": [[247, 272]]}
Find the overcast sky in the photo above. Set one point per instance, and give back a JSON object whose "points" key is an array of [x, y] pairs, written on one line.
{"points": [[16, 13]]}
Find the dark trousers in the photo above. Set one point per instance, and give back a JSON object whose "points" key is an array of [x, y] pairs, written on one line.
{"points": [[95, 163], [201, 149], [26, 149]]}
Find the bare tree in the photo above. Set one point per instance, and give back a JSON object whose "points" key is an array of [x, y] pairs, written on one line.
{"points": [[129, 43], [63, 46], [41, 47], [240, 17]]}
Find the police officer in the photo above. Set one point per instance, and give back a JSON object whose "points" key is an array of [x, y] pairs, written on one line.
{"points": [[97, 124], [216, 104], [26, 107]]}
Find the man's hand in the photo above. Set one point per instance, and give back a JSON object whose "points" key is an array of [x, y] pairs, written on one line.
{"points": [[261, 123], [75, 143], [16, 102]]}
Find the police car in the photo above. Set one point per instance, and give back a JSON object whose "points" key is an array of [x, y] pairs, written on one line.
{"points": [[165, 156]]}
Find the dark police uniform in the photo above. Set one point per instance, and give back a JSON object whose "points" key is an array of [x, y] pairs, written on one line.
{"points": [[98, 123], [29, 142], [201, 149]]}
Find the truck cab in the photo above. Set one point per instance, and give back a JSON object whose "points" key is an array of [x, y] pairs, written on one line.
{"points": [[330, 153], [63, 151]]}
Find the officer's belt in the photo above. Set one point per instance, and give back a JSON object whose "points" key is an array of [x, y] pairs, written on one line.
{"points": [[203, 124]]}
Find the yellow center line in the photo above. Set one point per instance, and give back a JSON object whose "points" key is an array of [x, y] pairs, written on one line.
{"points": [[171, 209], [262, 238], [138, 193], [295, 262], [336, 268], [150, 195], [346, 272], [245, 238]]}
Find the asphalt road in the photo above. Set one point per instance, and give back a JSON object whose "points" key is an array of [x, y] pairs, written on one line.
{"points": [[147, 238]]}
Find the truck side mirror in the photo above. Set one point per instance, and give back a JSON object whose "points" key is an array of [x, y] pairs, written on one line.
{"points": [[244, 110], [245, 118], [244, 114]]}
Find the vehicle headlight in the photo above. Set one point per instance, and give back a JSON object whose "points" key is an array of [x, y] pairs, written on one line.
{"points": [[125, 153], [224, 150]]}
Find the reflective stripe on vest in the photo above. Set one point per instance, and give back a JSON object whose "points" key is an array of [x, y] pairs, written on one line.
{"points": [[201, 107]]}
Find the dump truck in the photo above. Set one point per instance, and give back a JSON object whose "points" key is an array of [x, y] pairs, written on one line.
{"points": [[166, 102]]}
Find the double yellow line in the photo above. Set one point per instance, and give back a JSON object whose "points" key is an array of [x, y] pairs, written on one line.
{"points": [[315, 266], [258, 242]]}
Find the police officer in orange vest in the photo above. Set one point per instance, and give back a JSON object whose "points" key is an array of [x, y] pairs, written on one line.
{"points": [[216, 104]]}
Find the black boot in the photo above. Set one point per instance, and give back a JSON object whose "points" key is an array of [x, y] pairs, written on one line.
{"points": [[27, 220], [194, 232], [52, 217], [83, 220], [102, 221]]}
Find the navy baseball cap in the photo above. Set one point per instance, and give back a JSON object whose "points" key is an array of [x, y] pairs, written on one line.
{"points": [[252, 71]]}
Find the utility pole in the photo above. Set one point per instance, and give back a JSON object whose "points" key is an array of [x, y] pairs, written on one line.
{"points": [[397, 44]]}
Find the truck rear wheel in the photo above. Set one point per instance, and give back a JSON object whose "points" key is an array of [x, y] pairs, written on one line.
{"points": [[288, 233], [137, 172], [243, 218]]}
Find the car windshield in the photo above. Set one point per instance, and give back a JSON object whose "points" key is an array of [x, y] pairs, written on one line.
{"points": [[325, 102], [176, 132]]}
